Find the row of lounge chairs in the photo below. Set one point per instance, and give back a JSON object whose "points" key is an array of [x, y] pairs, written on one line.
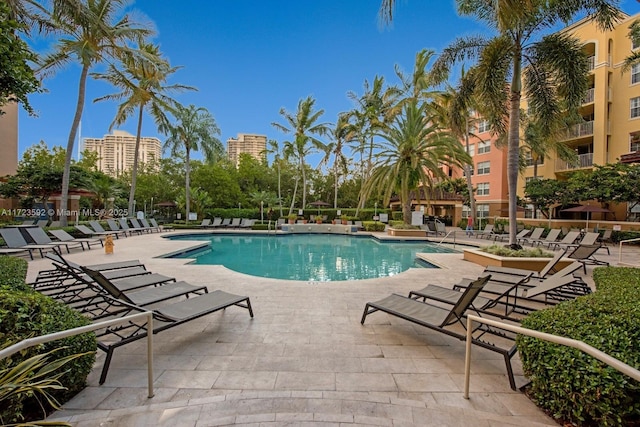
{"points": [[41, 242], [112, 290], [571, 239], [17, 245], [505, 294], [227, 223]]}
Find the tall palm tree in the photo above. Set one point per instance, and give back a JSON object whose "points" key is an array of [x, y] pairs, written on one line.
{"points": [[142, 77], [456, 106], [341, 133], [194, 130], [91, 32], [274, 148], [551, 71], [415, 149], [305, 127]]}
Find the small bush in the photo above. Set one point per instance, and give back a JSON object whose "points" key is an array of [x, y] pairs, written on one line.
{"points": [[12, 273], [571, 385], [521, 253], [25, 313], [373, 225]]}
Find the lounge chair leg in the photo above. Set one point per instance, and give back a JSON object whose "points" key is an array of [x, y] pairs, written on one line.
{"points": [[249, 307], [507, 360], [105, 367]]}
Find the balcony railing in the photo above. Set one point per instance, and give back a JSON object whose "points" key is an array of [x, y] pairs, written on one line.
{"points": [[592, 62], [590, 96], [584, 161], [580, 130]]}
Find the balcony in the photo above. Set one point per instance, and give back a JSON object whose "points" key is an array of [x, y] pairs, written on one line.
{"points": [[579, 130], [590, 96], [584, 161], [592, 63]]}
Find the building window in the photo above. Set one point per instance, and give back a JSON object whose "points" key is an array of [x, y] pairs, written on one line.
{"points": [[483, 126], [634, 142], [472, 150], [466, 210], [484, 147], [483, 189], [484, 168], [529, 159], [635, 74], [483, 211], [635, 107]]}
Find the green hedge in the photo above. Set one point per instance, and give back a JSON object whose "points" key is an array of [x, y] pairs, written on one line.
{"points": [[25, 313], [571, 385], [373, 225]]}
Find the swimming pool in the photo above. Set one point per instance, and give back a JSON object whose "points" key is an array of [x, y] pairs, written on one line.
{"points": [[311, 257]]}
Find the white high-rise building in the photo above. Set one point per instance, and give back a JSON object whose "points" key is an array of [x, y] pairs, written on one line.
{"points": [[116, 151], [246, 143]]}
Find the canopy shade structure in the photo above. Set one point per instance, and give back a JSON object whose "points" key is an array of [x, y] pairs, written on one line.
{"points": [[588, 209]]}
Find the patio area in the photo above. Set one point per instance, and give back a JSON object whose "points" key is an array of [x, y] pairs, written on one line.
{"points": [[303, 359]]}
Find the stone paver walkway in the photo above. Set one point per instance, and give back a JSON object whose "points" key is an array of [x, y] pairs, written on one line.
{"points": [[304, 359]]}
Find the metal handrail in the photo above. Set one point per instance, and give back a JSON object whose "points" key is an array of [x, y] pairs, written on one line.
{"points": [[447, 235], [30, 342], [620, 247], [569, 342]]}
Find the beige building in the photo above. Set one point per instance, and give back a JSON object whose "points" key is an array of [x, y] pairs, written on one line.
{"points": [[246, 143], [9, 144], [117, 151], [610, 131]]}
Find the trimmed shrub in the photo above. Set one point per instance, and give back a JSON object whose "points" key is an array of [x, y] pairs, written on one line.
{"points": [[501, 250], [12, 273], [25, 313], [571, 385], [373, 226]]}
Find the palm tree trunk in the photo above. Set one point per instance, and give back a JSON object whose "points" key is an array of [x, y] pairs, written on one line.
{"points": [[279, 189], [293, 198], [187, 170], [134, 170], [467, 171], [513, 145], [304, 183], [335, 186], [64, 197]]}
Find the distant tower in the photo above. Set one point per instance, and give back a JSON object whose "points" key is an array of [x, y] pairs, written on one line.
{"points": [[246, 143], [117, 151]]}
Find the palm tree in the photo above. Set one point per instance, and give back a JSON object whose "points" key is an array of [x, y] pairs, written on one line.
{"points": [[91, 34], [456, 105], [552, 71], [374, 110], [274, 148], [415, 149], [194, 130], [142, 79], [304, 127], [342, 132]]}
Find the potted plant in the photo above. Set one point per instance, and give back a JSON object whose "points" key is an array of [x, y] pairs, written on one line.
{"points": [[318, 219], [292, 218]]}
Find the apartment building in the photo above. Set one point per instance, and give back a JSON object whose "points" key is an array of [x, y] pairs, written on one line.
{"points": [[9, 142], [610, 131], [252, 144], [488, 173], [117, 151]]}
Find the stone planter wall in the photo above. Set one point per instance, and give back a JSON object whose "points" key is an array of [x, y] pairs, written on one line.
{"points": [[485, 259], [406, 232]]}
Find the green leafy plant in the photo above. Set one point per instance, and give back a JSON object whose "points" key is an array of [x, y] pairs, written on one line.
{"points": [[572, 386], [35, 377], [505, 251]]}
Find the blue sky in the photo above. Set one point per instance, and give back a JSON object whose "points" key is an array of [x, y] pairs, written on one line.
{"points": [[249, 58]]}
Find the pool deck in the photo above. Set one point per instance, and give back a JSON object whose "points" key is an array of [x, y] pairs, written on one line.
{"points": [[303, 359]]}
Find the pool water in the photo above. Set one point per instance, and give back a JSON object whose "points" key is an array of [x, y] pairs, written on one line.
{"points": [[311, 257]]}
